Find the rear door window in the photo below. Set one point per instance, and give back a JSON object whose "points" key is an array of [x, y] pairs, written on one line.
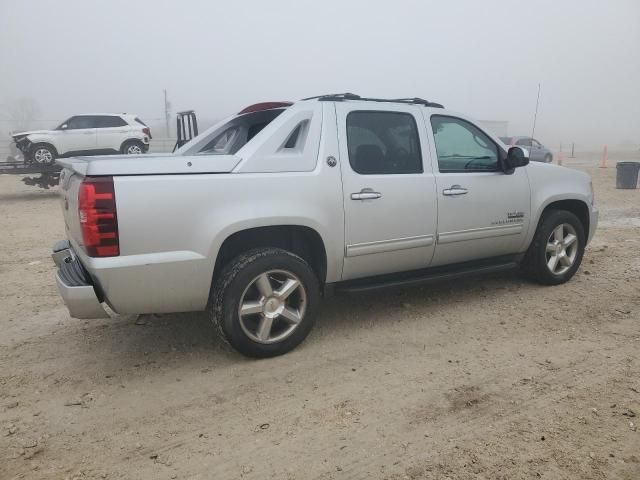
{"points": [[80, 122], [382, 142]]}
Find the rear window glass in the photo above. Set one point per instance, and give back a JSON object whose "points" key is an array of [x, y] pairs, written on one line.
{"points": [[232, 136]]}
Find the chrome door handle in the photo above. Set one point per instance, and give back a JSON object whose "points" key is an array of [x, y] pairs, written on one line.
{"points": [[366, 194], [454, 190]]}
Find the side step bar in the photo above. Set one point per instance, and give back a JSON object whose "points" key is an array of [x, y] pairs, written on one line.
{"points": [[428, 275]]}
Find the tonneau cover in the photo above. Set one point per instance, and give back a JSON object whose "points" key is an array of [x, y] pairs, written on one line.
{"points": [[154, 164]]}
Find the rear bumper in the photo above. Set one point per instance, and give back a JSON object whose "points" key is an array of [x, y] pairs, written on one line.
{"points": [[75, 285]]}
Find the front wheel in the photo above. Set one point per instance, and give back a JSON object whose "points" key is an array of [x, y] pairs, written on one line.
{"points": [[264, 302], [43, 154], [547, 158], [557, 248]]}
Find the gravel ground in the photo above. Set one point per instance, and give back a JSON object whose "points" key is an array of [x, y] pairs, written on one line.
{"points": [[491, 378]]}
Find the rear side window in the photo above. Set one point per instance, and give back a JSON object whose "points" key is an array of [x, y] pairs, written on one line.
{"points": [[462, 147], [383, 143], [525, 142], [235, 134], [109, 122], [140, 121]]}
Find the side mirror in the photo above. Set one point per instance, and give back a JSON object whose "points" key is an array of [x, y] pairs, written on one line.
{"points": [[516, 157], [64, 126]]}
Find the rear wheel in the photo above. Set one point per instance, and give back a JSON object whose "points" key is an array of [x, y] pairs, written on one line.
{"points": [[43, 154], [556, 252], [264, 302], [547, 158], [133, 147]]}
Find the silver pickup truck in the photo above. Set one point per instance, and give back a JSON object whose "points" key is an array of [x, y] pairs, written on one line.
{"points": [[259, 216]]}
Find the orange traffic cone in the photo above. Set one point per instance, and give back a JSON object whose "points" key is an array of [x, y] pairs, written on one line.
{"points": [[605, 158]]}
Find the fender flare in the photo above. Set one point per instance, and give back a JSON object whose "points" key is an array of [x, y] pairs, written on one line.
{"points": [[131, 140]]}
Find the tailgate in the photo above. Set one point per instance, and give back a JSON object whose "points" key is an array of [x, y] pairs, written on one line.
{"points": [[69, 186]]}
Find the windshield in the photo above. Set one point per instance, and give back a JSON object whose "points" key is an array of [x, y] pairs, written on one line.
{"points": [[232, 136]]}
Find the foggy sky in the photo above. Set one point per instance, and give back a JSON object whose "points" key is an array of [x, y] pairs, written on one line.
{"points": [[484, 58]]}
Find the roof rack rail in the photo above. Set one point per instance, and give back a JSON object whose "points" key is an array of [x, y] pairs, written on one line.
{"points": [[335, 97], [339, 97], [418, 101]]}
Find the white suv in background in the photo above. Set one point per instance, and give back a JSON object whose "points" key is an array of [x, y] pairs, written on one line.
{"points": [[87, 134]]}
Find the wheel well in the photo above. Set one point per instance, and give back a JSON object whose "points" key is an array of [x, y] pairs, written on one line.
{"points": [[577, 207], [130, 140], [303, 241]]}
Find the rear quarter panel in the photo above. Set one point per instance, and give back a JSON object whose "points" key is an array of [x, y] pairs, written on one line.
{"points": [[172, 226]]}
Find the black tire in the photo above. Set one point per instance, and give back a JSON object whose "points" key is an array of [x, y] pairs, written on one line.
{"points": [[132, 144], [236, 280], [548, 158], [44, 152], [535, 264]]}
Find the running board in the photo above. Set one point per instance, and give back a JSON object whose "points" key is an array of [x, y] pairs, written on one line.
{"points": [[420, 277]]}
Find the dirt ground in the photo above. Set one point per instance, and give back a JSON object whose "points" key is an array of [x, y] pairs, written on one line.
{"points": [[491, 378]]}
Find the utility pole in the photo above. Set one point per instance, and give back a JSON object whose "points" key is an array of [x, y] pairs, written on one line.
{"points": [[167, 108], [535, 115]]}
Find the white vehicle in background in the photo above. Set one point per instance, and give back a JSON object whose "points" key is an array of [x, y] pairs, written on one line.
{"points": [[87, 134]]}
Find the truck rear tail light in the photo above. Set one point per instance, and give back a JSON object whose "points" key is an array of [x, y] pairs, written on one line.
{"points": [[98, 217]]}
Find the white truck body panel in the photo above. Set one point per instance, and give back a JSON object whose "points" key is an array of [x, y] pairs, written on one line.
{"points": [[174, 212]]}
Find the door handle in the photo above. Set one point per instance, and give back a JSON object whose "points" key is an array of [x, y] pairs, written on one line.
{"points": [[454, 190], [366, 194]]}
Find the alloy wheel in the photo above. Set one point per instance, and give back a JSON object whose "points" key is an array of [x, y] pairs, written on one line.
{"points": [[134, 150], [43, 156], [562, 249], [272, 306]]}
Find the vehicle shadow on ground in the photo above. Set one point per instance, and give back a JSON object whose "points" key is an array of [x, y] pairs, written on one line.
{"points": [[181, 339], [351, 311], [29, 196]]}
